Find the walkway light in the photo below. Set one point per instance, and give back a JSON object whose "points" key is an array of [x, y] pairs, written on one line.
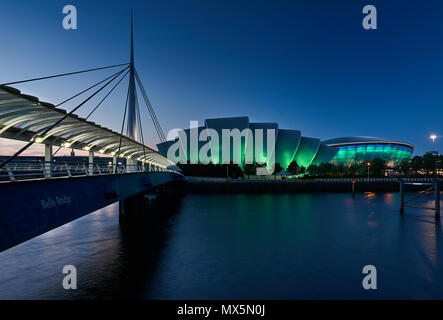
{"points": [[102, 151], [433, 137], [87, 148], [67, 144], [38, 139]]}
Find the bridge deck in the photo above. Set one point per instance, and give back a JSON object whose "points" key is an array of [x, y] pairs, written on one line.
{"points": [[32, 207], [26, 118]]}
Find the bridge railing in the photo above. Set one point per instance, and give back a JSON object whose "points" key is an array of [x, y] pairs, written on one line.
{"points": [[344, 180], [24, 170]]}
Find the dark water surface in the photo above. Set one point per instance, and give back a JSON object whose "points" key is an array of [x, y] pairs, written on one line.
{"points": [[276, 246]]}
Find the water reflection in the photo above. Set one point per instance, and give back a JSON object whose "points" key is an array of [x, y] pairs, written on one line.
{"points": [[389, 198], [264, 246], [370, 195]]}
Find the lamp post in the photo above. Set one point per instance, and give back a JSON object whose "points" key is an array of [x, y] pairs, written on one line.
{"points": [[433, 137], [369, 164]]}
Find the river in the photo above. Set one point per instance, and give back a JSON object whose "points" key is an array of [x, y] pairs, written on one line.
{"points": [[238, 246]]}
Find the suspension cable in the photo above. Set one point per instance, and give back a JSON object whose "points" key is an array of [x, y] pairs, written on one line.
{"points": [[63, 74], [104, 98], [80, 93], [140, 126], [60, 120], [121, 132], [150, 109], [56, 151], [96, 106], [76, 95]]}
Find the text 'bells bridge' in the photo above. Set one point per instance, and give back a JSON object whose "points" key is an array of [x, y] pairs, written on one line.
{"points": [[44, 194]]}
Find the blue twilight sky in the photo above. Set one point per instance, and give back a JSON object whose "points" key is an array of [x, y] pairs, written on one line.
{"points": [[305, 64]]}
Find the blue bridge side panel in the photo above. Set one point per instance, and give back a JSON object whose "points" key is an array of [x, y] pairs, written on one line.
{"points": [[30, 208]]}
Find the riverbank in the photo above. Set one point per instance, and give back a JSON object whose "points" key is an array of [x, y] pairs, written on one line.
{"points": [[220, 185]]}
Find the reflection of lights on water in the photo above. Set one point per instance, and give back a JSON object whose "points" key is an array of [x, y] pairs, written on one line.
{"points": [[108, 210], [389, 197], [369, 195]]}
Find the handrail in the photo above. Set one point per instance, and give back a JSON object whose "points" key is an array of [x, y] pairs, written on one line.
{"points": [[25, 169]]}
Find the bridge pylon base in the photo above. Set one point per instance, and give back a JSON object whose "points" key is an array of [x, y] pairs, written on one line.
{"points": [[132, 207]]}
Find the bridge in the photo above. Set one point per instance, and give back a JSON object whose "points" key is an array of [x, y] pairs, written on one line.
{"points": [[38, 195]]}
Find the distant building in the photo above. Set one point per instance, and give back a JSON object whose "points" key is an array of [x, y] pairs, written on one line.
{"points": [[358, 149], [290, 145]]}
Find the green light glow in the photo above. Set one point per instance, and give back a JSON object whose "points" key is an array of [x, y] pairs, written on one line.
{"points": [[306, 151], [287, 157], [388, 152]]}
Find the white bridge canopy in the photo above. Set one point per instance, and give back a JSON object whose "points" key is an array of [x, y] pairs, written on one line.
{"points": [[24, 117]]}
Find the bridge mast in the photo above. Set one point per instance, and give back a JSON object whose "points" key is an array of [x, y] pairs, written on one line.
{"points": [[132, 121]]}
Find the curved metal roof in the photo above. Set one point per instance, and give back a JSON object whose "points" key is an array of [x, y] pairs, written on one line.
{"points": [[344, 141], [24, 117]]}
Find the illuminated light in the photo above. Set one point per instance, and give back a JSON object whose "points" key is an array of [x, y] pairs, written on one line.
{"points": [[87, 148], [433, 137], [102, 150], [128, 157], [387, 152], [38, 139], [113, 153], [369, 164], [306, 151], [67, 144]]}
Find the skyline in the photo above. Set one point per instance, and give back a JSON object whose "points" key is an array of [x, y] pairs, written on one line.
{"points": [[308, 66]]}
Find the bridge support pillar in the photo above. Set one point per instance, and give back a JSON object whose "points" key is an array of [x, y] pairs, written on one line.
{"points": [[91, 163], [135, 206], [114, 163], [48, 159], [130, 165]]}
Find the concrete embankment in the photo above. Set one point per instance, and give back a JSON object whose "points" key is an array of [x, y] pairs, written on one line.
{"points": [[216, 185]]}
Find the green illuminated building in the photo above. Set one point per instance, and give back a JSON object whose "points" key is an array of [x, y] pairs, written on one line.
{"points": [[358, 149], [287, 145]]}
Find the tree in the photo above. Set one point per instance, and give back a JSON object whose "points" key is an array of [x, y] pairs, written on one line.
{"points": [[327, 169], [362, 169], [322, 169], [302, 170], [440, 162], [293, 167], [277, 168], [250, 169], [404, 166], [313, 170], [353, 170], [341, 169], [429, 162], [417, 164], [378, 167]]}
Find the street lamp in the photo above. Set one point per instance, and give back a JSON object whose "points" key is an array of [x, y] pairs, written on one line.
{"points": [[433, 137], [369, 164]]}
